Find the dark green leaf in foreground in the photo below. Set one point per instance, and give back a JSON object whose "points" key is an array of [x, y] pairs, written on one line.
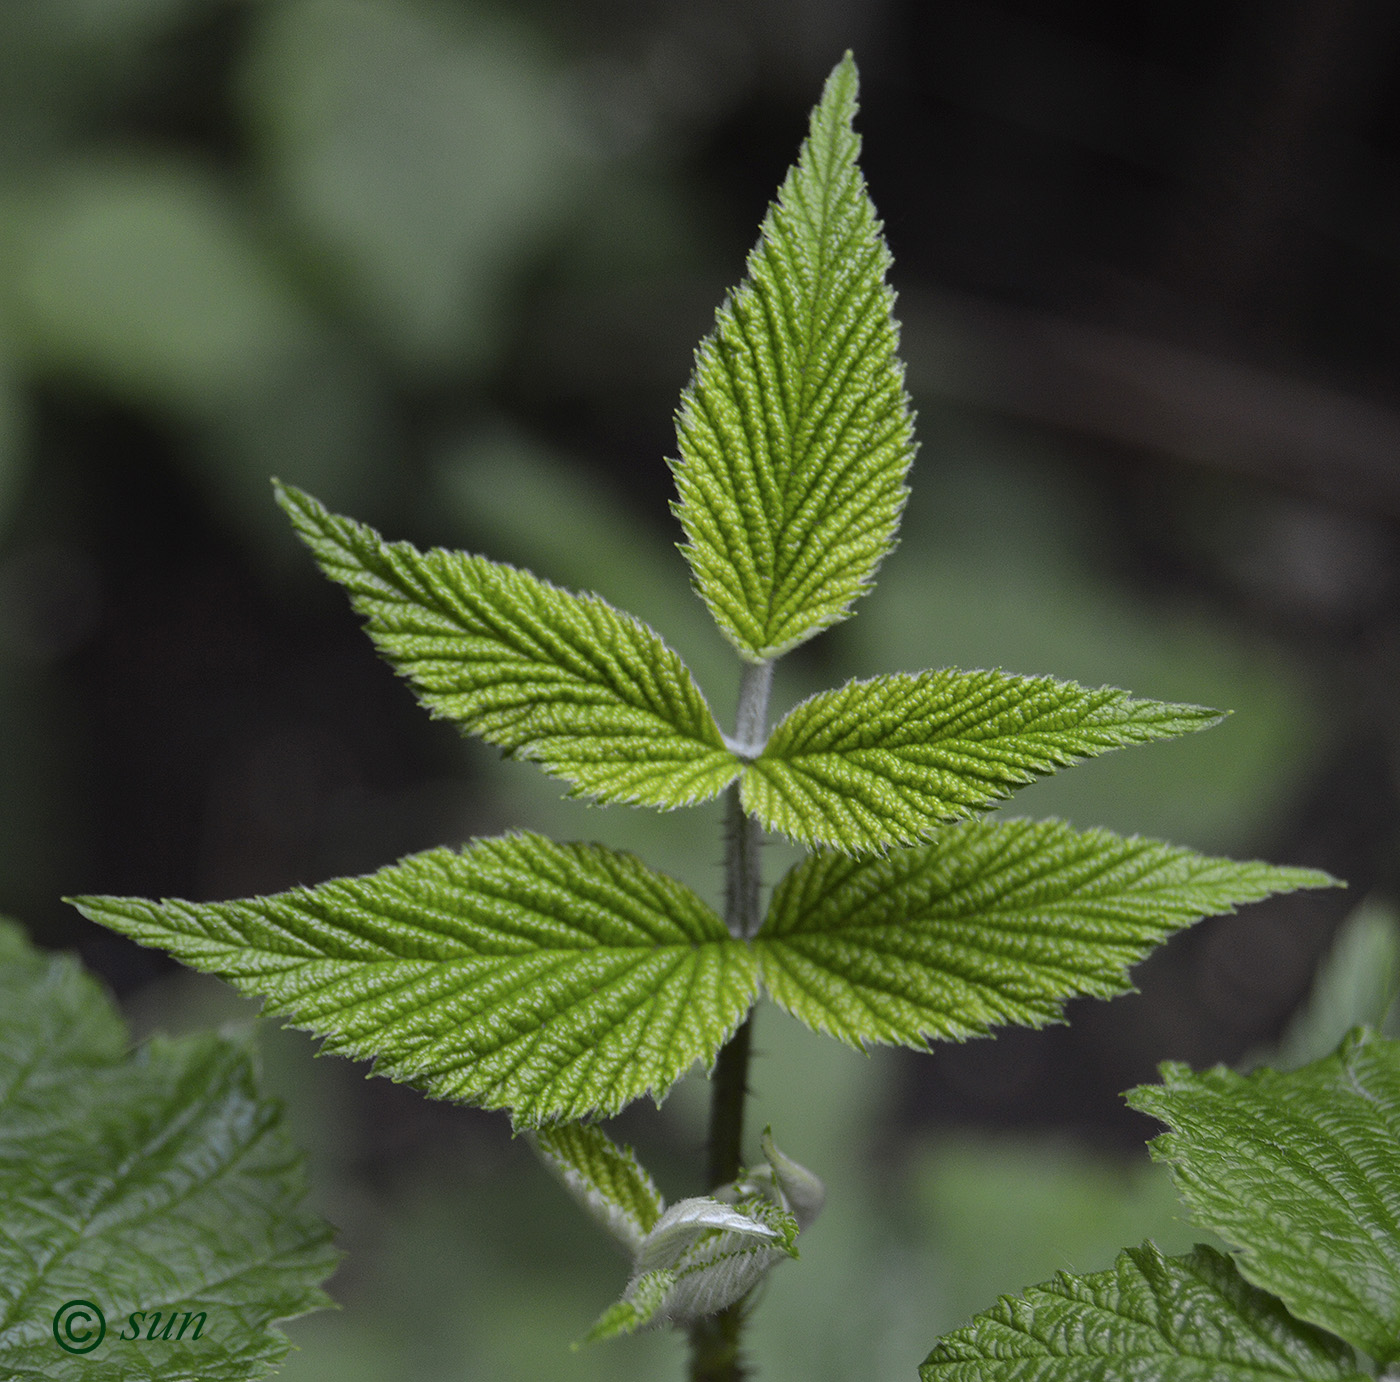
{"points": [[589, 693], [1148, 1318], [795, 433], [156, 1181], [886, 761], [995, 922], [552, 980], [1301, 1172]]}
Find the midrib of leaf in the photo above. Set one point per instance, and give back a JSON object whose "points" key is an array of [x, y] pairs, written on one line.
{"points": [[804, 431], [808, 386]]}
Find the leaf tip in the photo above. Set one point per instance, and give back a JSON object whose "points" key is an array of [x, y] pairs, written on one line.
{"points": [[296, 504], [842, 86], [88, 904], [1314, 878]]}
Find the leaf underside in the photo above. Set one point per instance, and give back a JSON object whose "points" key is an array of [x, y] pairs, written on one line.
{"points": [[552, 980], [157, 1181], [606, 1179], [995, 922], [886, 761], [589, 693], [1148, 1318], [1300, 1172], [795, 434]]}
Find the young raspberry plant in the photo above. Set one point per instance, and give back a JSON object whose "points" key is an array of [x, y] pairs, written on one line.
{"points": [[560, 982]]}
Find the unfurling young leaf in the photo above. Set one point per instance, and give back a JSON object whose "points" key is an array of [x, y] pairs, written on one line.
{"points": [[1149, 1317], [784, 1182], [700, 1255], [704, 1253], [160, 1180], [995, 922], [795, 434], [551, 980], [588, 692], [1301, 1172], [886, 761], [607, 1180]]}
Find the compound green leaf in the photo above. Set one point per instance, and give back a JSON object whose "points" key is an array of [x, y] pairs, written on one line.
{"points": [[1148, 1318], [994, 922], [1301, 1172], [607, 1180], [552, 980], [156, 1182], [590, 693], [885, 761], [795, 433]]}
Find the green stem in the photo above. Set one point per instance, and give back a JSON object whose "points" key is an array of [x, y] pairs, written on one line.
{"points": [[714, 1341]]}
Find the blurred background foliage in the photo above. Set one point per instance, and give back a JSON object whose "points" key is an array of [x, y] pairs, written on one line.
{"points": [[444, 263]]}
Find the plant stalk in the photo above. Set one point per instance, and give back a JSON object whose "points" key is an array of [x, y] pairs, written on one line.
{"points": [[714, 1341], [743, 836]]}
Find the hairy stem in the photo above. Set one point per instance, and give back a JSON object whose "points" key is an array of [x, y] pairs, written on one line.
{"points": [[729, 1090], [743, 836], [714, 1341]]}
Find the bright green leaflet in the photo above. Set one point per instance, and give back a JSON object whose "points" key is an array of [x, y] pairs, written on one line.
{"points": [[588, 692], [1148, 1318], [795, 434], [995, 922], [1301, 1171], [155, 1181], [886, 761], [548, 979], [607, 1180]]}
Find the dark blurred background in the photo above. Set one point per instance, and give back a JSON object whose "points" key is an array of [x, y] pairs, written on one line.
{"points": [[444, 264]]}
